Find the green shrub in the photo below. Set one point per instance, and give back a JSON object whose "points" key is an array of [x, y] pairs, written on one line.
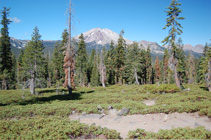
{"points": [[175, 133], [50, 128]]}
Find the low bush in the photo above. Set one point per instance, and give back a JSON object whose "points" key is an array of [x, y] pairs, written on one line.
{"points": [[175, 133], [51, 128]]}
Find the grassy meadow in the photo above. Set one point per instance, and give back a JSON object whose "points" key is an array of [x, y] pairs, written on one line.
{"points": [[46, 115]]}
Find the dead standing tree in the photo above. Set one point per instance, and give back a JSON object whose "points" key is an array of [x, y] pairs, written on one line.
{"points": [[69, 65], [102, 70]]}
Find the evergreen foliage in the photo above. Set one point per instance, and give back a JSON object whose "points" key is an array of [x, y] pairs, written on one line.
{"points": [[109, 62], [175, 29], [133, 64], [95, 72], [57, 60], [33, 61], [81, 62], [149, 66], [181, 64], [6, 61], [157, 70], [120, 59], [90, 65]]}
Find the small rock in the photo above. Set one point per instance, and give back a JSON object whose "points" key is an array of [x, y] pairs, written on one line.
{"points": [[112, 112], [123, 112], [102, 136], [84, 113], [99, 107], [101, 111], [73, 112], [110, 107], [144, 123]]}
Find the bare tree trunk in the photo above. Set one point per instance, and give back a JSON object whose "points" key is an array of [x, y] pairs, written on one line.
{"points": [[69, 52], [4, 84], [176, 77], [102, 70], [116, 77], [136, 77], [33, 77], [32, 85]]}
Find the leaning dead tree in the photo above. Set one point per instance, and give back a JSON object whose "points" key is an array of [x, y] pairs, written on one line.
{"points": [[69, 65]]}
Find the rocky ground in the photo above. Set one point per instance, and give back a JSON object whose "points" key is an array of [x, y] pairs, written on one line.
{"points": [[150, 122]]}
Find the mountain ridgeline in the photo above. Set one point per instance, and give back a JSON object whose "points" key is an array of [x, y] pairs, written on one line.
{"points": [[98, 38]]}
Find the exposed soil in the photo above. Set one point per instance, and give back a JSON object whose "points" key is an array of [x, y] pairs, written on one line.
{"points": [[149, 122]]}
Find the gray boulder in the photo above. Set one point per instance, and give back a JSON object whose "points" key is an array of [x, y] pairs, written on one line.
{"points": [[112, 112], [110, 107], [123, 112]]}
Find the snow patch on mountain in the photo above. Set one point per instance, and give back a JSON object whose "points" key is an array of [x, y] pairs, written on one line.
{"points": [[101, 37]]}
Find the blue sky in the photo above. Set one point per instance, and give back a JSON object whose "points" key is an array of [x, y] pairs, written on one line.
{"points": [[140, 19]]}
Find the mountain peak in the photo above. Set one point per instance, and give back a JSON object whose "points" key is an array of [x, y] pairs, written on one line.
{"points": [[101, 36]]}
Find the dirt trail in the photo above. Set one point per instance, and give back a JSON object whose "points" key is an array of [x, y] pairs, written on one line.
{"points": [[149, 122]]}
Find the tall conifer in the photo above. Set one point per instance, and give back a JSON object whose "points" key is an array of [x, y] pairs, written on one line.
{"points": [[33, 60], [175, 29], [120, 58], [6, 64], [81, 62]]}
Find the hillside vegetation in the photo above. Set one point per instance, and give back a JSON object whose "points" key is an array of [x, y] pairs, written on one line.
{"points": [[46, 115]]}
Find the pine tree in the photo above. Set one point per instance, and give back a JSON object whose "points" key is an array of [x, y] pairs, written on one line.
{"points": [[6, 63], [132, 64], [175, 29], [90, 65], [81, 62], [157, 70], [191, 71], [206, 49], [202, 67], [181, 64], [20, 72], [57, 60], [109, 62], [33, 60], [49, 70], [95, 73], [148, 66], [120, 59], [143, 69]]}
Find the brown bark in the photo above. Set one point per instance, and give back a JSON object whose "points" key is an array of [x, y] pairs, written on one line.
{"points": [[176, 77]]}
